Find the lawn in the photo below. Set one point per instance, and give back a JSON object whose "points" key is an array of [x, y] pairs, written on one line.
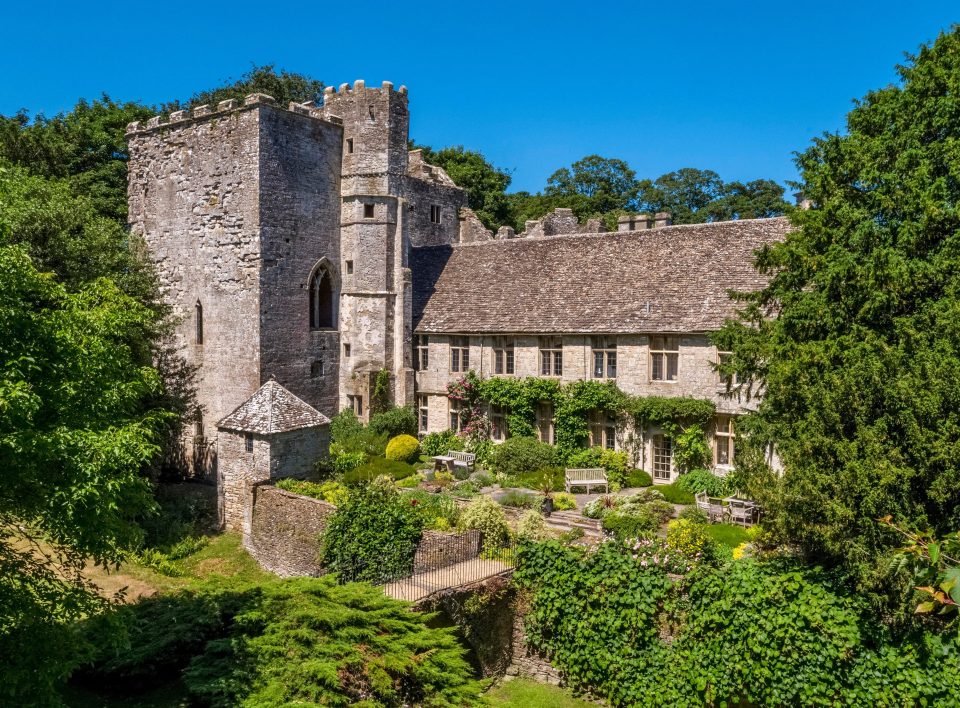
{"points": [[673, 494], [523, 693], [728, 534]]}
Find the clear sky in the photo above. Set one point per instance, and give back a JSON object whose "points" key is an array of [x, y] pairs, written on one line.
{"points": [[731, 86]]}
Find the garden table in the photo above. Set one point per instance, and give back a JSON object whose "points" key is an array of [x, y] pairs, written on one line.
{"points": [[442, 462]]}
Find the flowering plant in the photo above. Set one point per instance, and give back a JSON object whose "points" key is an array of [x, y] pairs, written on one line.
{"points": [[654, 553]]}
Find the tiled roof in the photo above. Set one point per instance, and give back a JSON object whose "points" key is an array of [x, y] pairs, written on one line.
{"points": [[273, 409], [670, 279]]}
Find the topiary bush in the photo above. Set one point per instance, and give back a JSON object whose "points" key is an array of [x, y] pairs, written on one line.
{"points": [[373, 535], [395, 421], [403, 448], [440, 443], [704, 481], [522, 455], [486, 516], [638, 478]]}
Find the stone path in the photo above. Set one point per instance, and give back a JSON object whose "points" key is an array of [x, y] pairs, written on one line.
{"points": [[420, 586]]}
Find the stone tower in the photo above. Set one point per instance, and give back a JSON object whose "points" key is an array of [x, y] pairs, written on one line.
{"points": [[375, 296]]}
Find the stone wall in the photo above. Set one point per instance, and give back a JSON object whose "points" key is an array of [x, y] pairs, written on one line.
{"points": [[527, 662], [284, 531], [439, 550]]}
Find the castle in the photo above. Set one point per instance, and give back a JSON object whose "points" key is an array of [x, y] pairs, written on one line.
{"points": [[305, 249]]}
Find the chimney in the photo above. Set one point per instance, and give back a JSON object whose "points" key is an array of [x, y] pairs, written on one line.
{"points": [[633, 222], [662, 218]]}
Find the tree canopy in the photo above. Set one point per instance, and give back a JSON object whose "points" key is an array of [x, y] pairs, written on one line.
{"points": [[855, 342]]}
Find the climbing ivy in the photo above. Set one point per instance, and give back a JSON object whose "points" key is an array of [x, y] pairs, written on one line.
{"points": [[380, 398]]}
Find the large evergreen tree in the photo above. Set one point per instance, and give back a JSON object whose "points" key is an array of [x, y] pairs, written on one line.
{"points": [[855, 343]]}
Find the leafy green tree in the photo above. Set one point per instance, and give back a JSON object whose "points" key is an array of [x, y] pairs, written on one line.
{"points": [[74, 437], [685, 193], [594, 185], [486, 185], [284, 86], [855, 342], [757, 199]]}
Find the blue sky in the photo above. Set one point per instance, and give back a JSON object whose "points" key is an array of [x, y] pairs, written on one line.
{"points": [[733, 87]]}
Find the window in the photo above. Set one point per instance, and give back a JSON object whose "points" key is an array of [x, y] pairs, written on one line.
{"points": [[423, 410], [724, 358], [368, 211], [664, 358], [421, 353], [723, 441], [248, 442], [434, 214], [321, 299], [346, 351], [503, 356], [349, 267], [551, 356], [662, 457], [198, 424], [604, 357], [545, 427], [459, 354], [350, 145], [198, 313], [456, 419], [316, 368], [498, 423], [356, 405], [603, 430]]}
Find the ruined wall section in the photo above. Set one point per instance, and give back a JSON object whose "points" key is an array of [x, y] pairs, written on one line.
{"points": [[194, 198], [300, 164]]}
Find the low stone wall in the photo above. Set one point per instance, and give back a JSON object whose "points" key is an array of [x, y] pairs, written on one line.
{"points": [[284, 531], [439, 550], [527, 662]]}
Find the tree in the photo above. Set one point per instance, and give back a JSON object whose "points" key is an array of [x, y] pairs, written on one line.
{"points": [[855, 342], [74, 437], [757, 199], [486, 185], [594, 185], [685, 193], [284, 86]]}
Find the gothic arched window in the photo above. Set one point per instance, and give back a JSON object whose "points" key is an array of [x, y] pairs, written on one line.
{"points": [[322, 299]]}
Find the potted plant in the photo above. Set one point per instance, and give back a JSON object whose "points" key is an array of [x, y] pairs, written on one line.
{"points": [[546, 486]]}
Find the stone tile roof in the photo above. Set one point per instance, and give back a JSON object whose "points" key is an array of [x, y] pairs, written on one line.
{"points": [[273, 409], [670, 279]]}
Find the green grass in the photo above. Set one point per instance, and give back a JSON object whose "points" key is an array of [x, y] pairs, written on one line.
{"points": [[727, 534], [673, 494], [523, 693]]}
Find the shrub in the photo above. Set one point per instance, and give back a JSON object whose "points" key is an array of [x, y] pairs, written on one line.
{"points": [[394, 422], [465, 489], [344, 425], [332, 492], [691, 449], [522, 500], [689, 538], [643, 496], [403, 448], [675, 495], [634, 524], [692, 513], [431, 507], [522, 455], [377, 467], [532, 526], [483, 479], [373, 535], [614, 463], [440, 443], [596, 508], [704, 481], [488, 518], [638, 478], [564, 502]]}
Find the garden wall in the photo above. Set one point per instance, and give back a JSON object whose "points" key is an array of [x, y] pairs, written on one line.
{"points": [[284, 531], [439, 550]]}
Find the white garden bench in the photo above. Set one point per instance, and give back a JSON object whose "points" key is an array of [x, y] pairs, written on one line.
{"points": [[589, 477], [463, 459]]}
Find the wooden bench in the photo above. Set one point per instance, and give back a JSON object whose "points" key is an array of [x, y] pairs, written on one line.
{"points": [[463, 459], [590, 477]]}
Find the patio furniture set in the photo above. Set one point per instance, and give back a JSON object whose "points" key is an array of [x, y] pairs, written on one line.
{"points": [[734, 510]]}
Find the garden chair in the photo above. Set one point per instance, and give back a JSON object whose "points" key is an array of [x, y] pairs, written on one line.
{"points": [[703, 502], [741, 512], [716, 511]]}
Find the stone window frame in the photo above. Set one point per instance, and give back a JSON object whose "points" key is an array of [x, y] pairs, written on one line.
{"points": [[724, 441], [346, 350], [436, 214], [369, 210], [728, 380], [421, 352], [546, 424], [664, 358], [603, 430], [248, 442], [349, 143], [551, 356], [348, 266], [198, 323], [603, 350], [323, 269], [498, 423], [423, 412], [455, 408], [661, 457], [504, 359], [356, 404], [459, 355], [317, 369]]}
